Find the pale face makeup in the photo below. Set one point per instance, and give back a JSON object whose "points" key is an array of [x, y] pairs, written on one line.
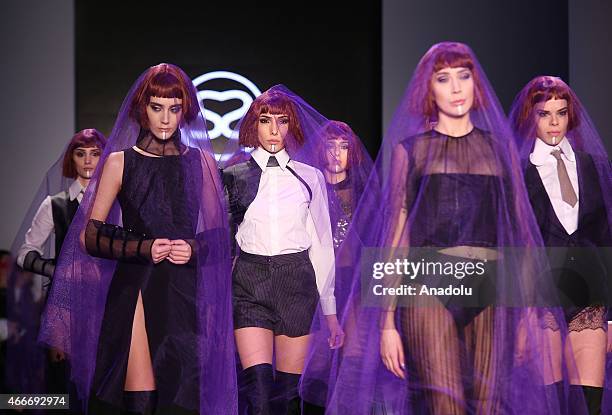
{"points": [[85, 161], [336, 155], [552, 118], [453, 90], [272, 130], [164, 116]]}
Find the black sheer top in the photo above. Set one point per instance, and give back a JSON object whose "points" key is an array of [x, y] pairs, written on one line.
{"points": [[452, 190]]}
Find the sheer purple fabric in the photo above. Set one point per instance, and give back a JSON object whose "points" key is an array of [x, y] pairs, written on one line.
{"points": [[76, 306], [25, 359], [308, 144], [345, 188], [450, 199], [304, 149], [26, 292], [583, 136], [595, 190], [53, 182]]}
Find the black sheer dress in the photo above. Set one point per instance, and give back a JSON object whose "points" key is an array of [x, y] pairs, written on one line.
{"points": [[157, 200], [448, 189]]}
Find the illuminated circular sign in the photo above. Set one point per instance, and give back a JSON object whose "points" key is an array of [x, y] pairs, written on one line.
{"points": [[225, 105]]}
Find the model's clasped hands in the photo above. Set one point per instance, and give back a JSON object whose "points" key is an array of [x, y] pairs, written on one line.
{"points": [[176, 251]]}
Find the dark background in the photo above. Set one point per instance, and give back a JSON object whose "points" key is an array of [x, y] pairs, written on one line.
{"points": [[67, 64], [513, 40], [326, 54]]}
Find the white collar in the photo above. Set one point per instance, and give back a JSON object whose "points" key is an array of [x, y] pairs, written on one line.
{"points": [[541, 151], [74, 189], [261, 156]]}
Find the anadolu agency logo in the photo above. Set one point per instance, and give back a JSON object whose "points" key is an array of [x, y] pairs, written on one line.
{"points": [[226, 97]]}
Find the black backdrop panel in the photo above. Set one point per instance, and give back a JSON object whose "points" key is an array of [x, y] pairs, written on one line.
{"points": [[329, 55]]}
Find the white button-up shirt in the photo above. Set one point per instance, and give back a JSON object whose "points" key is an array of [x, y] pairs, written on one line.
{"points": [[42, 225], [546, 164], [283, 220]]}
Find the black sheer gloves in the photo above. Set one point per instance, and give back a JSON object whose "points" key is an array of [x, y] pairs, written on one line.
{"points": [[33, 262], [109, 241], [104, 240]]}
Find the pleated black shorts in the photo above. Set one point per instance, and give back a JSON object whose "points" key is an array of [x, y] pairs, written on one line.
{"points": [[278, 293]]}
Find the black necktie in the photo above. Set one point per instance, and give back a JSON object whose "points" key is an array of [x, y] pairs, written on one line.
{"points": [[272, 162]]}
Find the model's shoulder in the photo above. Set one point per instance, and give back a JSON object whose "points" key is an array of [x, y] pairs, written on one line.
{"points": [[308, 172], [116, 157], [306, 168], [418, 138], [59, 195], [583, 155], [239, 168]]}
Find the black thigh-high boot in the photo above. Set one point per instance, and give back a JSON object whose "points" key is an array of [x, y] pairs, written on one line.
{"points": [[576, 400], [256, 387], [287, 400], [139, 402], [593, 396], [97, 406], [312, 409]]}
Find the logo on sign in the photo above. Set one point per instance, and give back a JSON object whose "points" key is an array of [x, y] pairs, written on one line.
{"points": [[226, 97]]}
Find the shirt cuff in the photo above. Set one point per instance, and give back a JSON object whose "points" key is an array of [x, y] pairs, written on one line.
{"points": [[328, 305], [25, 250]]}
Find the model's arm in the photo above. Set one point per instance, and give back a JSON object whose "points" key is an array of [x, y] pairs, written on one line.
{"points": [[396, 231], [229, 190], [322, 257], [109, 186], [321, 251], [111, 241], [29, 256]]}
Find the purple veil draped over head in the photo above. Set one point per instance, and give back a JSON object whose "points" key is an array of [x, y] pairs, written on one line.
{"points": [[343, 192], [76, 304], [25, 357], [581, 133], [302, 143], [52, 183], [584, 140], [307, 145], [434, 198], [344, 195]]}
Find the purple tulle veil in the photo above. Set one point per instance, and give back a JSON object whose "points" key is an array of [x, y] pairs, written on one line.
{"points": [[76, 304], [585, 140], [445, 199]]}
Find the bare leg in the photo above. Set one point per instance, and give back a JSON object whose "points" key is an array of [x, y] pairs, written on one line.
{"points": [[432, 342], [586, 347], [552, 356], [254, 346], [480, 347], [587, 350], [139, 375], [291, 353]]}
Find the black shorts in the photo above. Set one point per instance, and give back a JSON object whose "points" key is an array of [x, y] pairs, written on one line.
{"points": [[278, 293]]}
